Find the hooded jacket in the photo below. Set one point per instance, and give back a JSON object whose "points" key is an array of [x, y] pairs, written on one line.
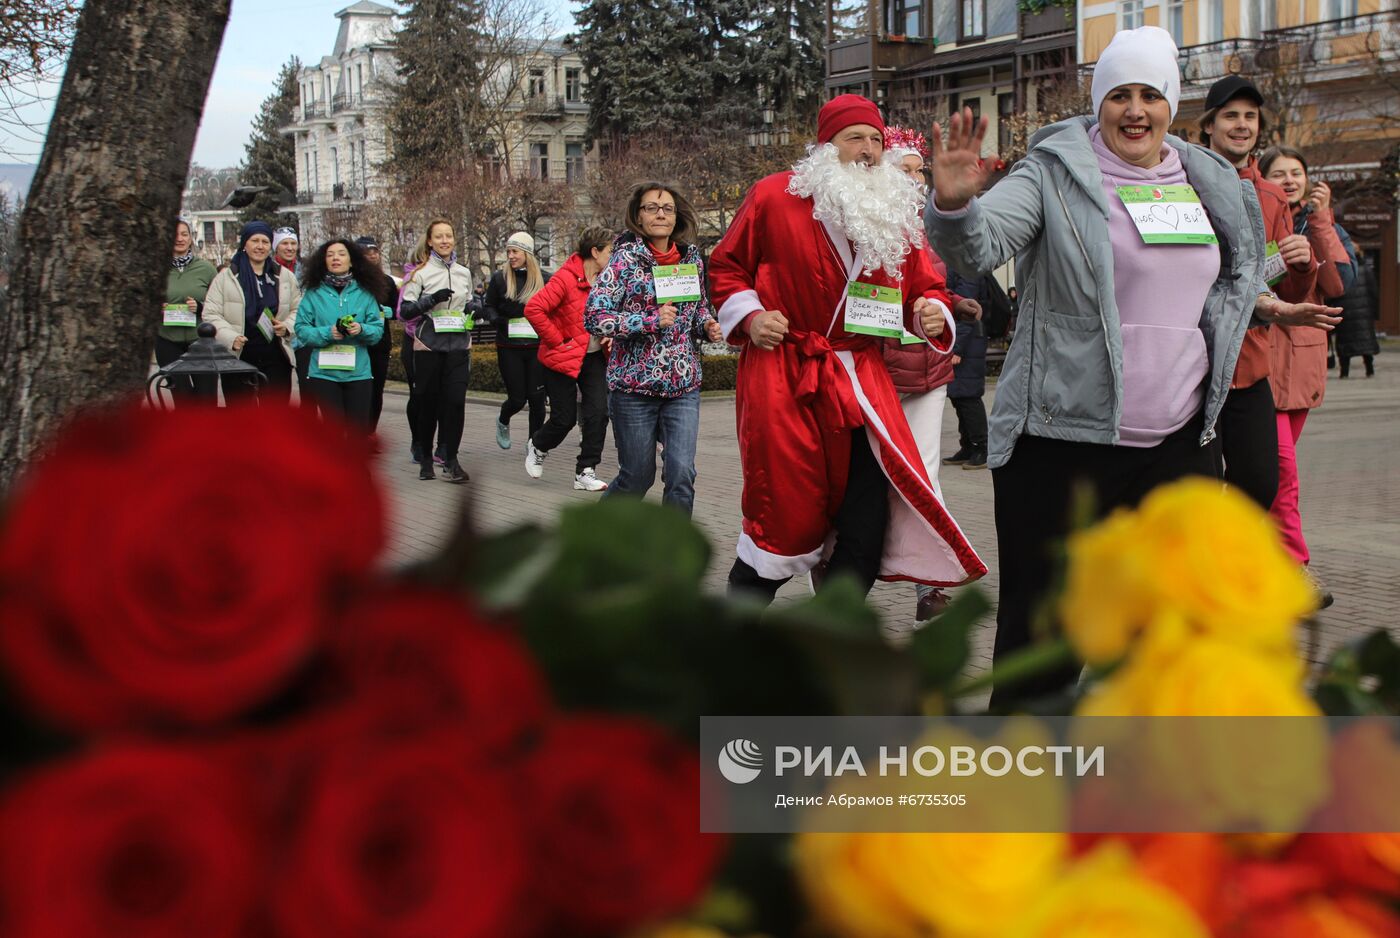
{"points": [[1062, 378], [556, 312]]}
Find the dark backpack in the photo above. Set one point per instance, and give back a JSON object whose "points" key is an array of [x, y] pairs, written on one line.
{"points": [[996, 308]]}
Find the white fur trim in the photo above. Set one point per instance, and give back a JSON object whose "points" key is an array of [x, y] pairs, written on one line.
{"points": [[736, 309], [773, 566], [948, 324]]}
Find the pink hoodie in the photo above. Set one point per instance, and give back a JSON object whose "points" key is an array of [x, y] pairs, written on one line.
{"points": [[1161, 292]]}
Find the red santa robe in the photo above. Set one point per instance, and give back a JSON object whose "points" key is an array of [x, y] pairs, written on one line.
{"points": [[798, 404]]}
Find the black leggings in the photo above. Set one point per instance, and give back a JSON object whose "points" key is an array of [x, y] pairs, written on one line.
{"points": [[350, 400], [440, 384], [523, 376], [406, 359], [379, 373], [592, 386], [1035, 494], [860, 525], [1249, 442]]}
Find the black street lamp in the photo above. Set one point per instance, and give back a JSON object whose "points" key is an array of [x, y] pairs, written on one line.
{"points": [[204, 364]]}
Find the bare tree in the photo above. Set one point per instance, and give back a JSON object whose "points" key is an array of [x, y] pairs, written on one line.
{"points": [[99, 212], [34, 38]]}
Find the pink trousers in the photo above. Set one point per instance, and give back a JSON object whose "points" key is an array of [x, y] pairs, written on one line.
{"points": [[1285, 509]]}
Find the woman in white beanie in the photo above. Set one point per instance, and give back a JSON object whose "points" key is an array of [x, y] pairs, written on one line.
{"points": [[1140, 264], [517, 345]]}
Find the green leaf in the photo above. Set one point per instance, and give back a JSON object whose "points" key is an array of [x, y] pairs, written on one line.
{"points": [[1035, 659], [839, 608]]}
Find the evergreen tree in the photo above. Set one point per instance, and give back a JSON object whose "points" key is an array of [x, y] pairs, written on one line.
{"points": [[434, 114], [784, 64], [647, 74], [270, 156]]}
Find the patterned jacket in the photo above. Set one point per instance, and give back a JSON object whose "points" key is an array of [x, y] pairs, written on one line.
{"points": [[645, 358]]}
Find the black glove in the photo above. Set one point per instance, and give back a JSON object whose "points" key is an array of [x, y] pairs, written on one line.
{"points": [[442, 296]]}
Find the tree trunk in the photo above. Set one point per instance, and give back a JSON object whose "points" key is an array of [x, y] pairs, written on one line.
{"points": [[95, 236]]}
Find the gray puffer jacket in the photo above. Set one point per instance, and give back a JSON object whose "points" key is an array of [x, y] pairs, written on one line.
{"points": [[1063, 375]]}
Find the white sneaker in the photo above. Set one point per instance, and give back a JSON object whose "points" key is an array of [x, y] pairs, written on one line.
{"points": [[534, 461], [588, 481]]}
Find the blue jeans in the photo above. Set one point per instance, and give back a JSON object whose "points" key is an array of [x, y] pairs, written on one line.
{"points": [[639, 421]]}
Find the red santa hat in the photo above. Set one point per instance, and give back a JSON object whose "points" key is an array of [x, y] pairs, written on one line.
{"points": [[844, 110]]}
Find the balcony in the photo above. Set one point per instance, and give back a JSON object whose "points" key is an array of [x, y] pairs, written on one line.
{"points": [[1049, 21], [875, 54], [348, 192], [1334, 49], [544, 106], [312, 110], [347, 102], [1203, 65]]}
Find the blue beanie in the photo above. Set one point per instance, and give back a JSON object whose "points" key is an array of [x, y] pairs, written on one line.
{"points": [[253, 228]]}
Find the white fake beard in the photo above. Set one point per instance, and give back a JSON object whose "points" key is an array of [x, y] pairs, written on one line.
{"points": [[877, 207]]}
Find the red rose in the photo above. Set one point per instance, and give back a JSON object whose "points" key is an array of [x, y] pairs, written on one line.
{"points": [[616, 807], [138, 842], [1322, 916], [177, 567], [431, 660], [1356, 861], [412, 838]]}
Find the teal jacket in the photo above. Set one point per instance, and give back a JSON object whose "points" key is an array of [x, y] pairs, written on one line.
{"points": [[321, 309], [1062, 378]]}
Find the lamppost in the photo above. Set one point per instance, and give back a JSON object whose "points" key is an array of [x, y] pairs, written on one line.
{"points": [[204, 364]]}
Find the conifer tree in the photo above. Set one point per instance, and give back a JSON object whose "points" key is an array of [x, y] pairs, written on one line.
{"points": [[270, 156], [434, 114]]}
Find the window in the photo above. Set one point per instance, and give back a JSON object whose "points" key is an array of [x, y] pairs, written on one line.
{"points": [[360, 79], [1130, 14], [310, 179], [573, 162], [1215, 20], [335, 168], [973, 22], [535, 85], [315, 171], [573, 85], [904, 17], [1176, 21], [539, 160], [209, 232], [231, 231], [1265, 16], [1339, 9]]}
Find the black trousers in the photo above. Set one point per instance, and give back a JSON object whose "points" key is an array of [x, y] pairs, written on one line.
{"points": [[379, 372], [1035, 494], [523, 376], [1249, 442], [406, 359], [972, 422], [352, 401], [303, 356], [564, 410], [272, 362], [440, 384], [860, 525], [187, 388], [1344, 365]]}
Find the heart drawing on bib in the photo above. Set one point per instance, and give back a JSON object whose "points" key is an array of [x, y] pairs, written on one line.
{"points": [[1167, 215]]}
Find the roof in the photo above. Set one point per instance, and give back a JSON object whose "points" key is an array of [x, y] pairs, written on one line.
{"points": [[368, 8]]}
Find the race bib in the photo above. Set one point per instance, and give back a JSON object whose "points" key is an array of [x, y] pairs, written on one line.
{"points": [[451, 322], [1274, 267], [265, 325], [177, 314], [677, 284], [910, 338], [521, 329], [336, 358], [1168, 214], [874, 310]]}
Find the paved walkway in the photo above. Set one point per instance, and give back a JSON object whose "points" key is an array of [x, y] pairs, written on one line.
{"points": [[1349, 456]]}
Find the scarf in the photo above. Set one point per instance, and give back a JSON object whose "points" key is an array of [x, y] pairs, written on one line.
{"points": [[290, 265], [259, 292], [183, 261], [668, 258], [340, 281]]}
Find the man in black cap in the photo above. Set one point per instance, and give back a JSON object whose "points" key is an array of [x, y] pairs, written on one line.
{"points": [[379, 352], [1232, 126]]}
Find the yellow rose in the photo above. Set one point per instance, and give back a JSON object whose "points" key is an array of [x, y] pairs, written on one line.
{"points": [[1223, 564], [907, 885], [1110, 590], [1213, 774], [1104, 896]]}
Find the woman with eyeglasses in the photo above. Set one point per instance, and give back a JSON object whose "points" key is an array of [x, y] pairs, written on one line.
{"points": [[651, 301]]}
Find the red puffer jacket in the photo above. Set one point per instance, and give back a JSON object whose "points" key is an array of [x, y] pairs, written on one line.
{"points": [[918, 368], [556, 312]]}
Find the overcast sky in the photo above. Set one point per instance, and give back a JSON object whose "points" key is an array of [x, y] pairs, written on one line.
{"points": [[261, 35]]}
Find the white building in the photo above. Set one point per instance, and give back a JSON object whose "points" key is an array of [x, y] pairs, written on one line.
{"points": [[339, 134], [341, 139]]}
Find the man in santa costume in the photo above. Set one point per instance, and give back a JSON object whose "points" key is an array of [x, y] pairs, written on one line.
{"points": [[820, 264]]}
